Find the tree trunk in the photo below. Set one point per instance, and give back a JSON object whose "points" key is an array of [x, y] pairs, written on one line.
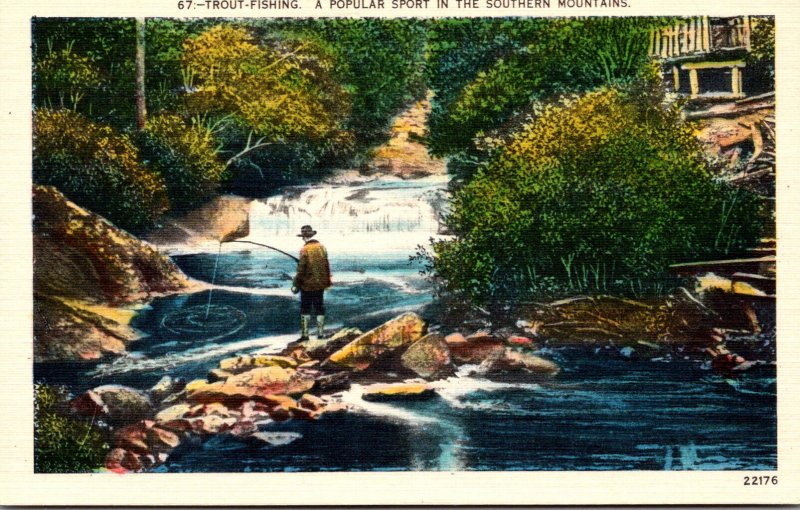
{"points": [[141, 106]]}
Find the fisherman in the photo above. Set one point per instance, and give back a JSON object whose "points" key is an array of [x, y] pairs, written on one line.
{"points": [[313, 277]]}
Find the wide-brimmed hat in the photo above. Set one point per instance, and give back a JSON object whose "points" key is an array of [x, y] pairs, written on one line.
{"points": [[307, 231]]}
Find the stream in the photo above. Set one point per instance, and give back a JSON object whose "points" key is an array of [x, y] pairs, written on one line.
{"points": [[602, 412]]}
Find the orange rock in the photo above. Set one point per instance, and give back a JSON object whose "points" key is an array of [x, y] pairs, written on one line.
{"points": [[397, 391], [132, 437], [364, 350], [161, 440], [478, 350], [311, 402], [281, 413], [521, 341], [455, 339]]}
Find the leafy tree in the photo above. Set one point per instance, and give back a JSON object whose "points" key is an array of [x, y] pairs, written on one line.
{"points": [[593, 192], [486, 71], [185, 156], [265, 96], [96, 167], [91, 57]]}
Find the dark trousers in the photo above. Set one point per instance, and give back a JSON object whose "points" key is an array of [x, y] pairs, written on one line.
{"points": [[312, 302]]}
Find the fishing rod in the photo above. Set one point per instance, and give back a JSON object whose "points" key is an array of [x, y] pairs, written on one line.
{"points": [[265, 246]]}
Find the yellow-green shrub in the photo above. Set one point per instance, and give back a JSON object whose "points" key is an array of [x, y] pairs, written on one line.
{"points": [[97, 168], [63, 444], [592, 194], [185, 156]]}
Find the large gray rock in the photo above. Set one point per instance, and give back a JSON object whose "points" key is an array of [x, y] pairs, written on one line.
{"points": [[114, 403]]}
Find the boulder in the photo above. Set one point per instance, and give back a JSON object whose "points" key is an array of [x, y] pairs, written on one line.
{"points": [[114, 403], [320, 349], [133, 437], [212, 424], [311, 402], [455, 339], [254, 384], [519, 362], [331, 383], [85, 268], [121, 460], [429, 357], [372, 345], [397, 391], [165, 387], [476, 349], [241, 364], [175, 412], [161, 440], [223, 219], [303, 413]]}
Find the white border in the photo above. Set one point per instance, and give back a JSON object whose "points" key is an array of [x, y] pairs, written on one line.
{"points": [[18, 484]]}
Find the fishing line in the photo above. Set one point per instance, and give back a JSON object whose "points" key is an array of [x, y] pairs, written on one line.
{"points": [[217, 321]]}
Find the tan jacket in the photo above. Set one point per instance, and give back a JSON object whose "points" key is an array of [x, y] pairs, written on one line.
{"points": [[313, 271]]}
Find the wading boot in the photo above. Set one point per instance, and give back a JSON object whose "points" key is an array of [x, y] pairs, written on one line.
{"points": [[304, 322], [321, 327]]}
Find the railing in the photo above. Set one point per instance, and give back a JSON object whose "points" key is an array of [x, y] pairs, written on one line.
{"points": [[699, 35]]}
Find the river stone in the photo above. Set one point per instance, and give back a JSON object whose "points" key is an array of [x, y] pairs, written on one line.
{"points": [[397, 391], [515, 361], [254, 384], [367, 348], [133, 437], [476, 350], [277, 438], [114, 403], [175, 412], [162, 441], [332, 383], [240, 364], [311, 402], [165, 387], [429, 357]]}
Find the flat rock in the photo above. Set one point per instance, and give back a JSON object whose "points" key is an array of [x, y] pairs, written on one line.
{"points": [[241, 364], [515, 361], [255, 384], [397, 391]]}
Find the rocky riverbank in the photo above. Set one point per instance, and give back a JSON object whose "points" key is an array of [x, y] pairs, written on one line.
{"points": [[395, 361], [88, 278], [399, 360]]}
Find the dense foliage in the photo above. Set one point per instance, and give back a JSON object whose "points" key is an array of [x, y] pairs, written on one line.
{"points": [[282, 99], [63, 444], [97, 167], [484, 72], [593, 192], [185, 156]]}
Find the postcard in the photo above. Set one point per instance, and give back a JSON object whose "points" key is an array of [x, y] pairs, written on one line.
{"points": [[400, 252]]}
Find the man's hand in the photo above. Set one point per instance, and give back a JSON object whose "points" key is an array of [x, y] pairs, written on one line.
{"points": [[295, 290]]}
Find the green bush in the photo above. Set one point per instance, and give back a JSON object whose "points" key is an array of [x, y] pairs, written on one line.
{"points": [[63, 444], [97, 168], [185, 156], [597, 192]]}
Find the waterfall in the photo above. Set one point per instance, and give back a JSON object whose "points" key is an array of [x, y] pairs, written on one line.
{"points": [[382, 217]]}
